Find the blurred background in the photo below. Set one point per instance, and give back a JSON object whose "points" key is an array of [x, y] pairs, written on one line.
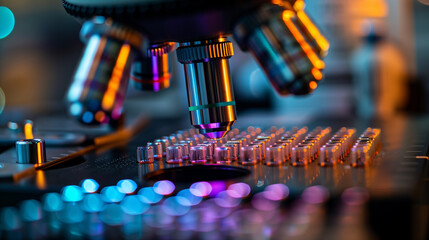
{"points": [[377, 65]]}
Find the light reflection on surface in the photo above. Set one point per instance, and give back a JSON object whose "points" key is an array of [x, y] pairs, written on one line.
{"points": [[111, 194], [148, 195], [126, 186], [72, 193], [164, 187], [90, 185], [201, 189]]}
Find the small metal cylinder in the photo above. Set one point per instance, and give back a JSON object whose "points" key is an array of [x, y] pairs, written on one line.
{"points": [[235, 150], [198, 154], [31, 151], [275, 155], [244, 156], [210, 151], [223, 155], [174, 154], [157, 150], [360, 156], [329, 155], [185, 149], [208, 82], [300, 155], [164, 143], [145, 154]]}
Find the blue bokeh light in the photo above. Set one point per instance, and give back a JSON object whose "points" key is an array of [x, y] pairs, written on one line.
{"points": [[31, 210], [72, 193], [176, 206], [148, 195], [87, 117], [72, 213], [9, 219], [133, 206], [7, 21], [92, 203], [112, 214], [90, 185], [127, 186], [192, 199], [52, 202], [112, 194]]}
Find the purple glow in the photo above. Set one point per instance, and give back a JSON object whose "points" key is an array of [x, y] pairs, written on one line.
{"points": [[276, 192], [164, 187], [209, 126], [224, 199], [155, 70], [217, 187], [239, 190], [214, 135], [315, 194], [355, 196], [201, 189], [260, 202]]}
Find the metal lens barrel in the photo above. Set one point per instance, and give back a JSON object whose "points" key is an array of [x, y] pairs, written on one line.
{"points": [[150, 71], [273, 37], [210, 95], [100, 82]]}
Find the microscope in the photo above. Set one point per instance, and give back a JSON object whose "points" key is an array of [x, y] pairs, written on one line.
{"points": [[130, 40]]}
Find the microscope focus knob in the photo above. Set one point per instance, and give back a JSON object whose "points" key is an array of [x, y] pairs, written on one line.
{"points": [[31, 151]]}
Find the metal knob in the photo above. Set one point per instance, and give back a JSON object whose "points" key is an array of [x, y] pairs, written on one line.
{"points": [[31, 151]]}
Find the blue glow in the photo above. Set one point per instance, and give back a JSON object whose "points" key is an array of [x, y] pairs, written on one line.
{"points": [[71, 214], [176, 206], [7, 21], [164, 187], [31, 210], [75, 109], [127, 186], [90, 185], [72, 193], [192, 199], [83, 70], [111, 194], [9, 219], [148, 195], [52, 202], [112, 215], [133, 206], [92, 203], [87, 117], [2, 101]]}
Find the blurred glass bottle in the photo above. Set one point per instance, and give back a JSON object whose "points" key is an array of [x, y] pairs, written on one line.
{"points": [[379, 75]]}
